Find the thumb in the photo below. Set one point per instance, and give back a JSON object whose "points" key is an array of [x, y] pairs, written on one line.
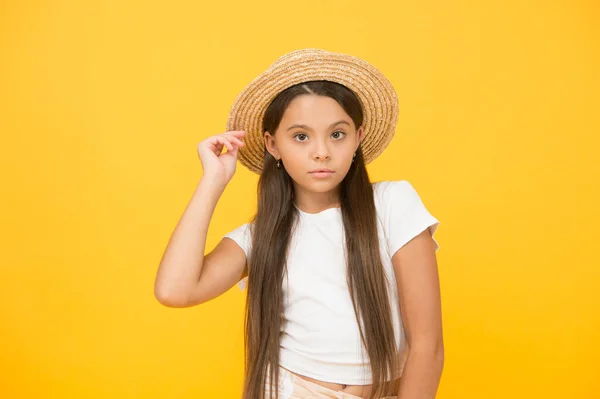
{"points": [[233, 153]]}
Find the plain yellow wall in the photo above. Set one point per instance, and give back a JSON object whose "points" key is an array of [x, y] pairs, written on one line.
{"points": [[103, 103]]}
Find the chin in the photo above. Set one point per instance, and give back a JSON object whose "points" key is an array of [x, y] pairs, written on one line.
{"points": [[318, 185]]}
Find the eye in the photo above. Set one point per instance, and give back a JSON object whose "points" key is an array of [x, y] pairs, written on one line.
{"points": [[338, 135], [300, 135]]}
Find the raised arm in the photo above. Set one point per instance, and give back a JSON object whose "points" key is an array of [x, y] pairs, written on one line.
{"points": [[180, 280]]}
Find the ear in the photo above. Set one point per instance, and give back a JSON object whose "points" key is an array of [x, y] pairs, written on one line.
{"points": [[360, 133], [271, 146]]}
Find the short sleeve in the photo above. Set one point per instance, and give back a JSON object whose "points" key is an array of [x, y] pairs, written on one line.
{"points": [[404, 214], [242, 237]]}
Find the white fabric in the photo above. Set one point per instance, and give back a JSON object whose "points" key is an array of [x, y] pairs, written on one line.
{"points": [[320, 336]]}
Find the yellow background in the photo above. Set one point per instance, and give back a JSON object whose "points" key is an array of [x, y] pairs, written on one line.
{"points": [[102, 104]]}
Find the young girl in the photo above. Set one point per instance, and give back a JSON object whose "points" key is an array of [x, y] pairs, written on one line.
{"points": [[342, 285]]}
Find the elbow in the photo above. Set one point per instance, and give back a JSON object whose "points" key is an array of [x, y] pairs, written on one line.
{"points": [[438, 351], [166, 298], [434, 351], [439, 356], [162, 297]]}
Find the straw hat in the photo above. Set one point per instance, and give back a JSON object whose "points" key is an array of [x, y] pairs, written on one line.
{"points": [[374, 91]]}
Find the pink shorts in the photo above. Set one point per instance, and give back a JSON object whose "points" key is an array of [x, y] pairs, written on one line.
{"points": [[293, 387]]}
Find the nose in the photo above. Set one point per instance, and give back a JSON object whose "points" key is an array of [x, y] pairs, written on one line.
{"points": [[321, 152]]}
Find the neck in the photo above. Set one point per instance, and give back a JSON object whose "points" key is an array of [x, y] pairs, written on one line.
{"points": [[315, 202]]}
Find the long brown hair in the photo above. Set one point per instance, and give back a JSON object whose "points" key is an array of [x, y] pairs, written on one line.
{"points": [[273, 226]]}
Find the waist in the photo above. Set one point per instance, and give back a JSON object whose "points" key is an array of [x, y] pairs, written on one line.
{"points": [[349, 391], [346, 368]]}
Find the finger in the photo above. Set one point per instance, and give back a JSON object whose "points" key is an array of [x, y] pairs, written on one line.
{"points": [[214, 140], [233, 153], [224, 141], [234, 139], [236, 133], [237, 142], [216, 144]]}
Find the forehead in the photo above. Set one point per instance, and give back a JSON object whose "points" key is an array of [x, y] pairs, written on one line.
{"points": [[313, 110]]}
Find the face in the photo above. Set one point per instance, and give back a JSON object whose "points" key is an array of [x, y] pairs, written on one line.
{"points": [[315, 141]]}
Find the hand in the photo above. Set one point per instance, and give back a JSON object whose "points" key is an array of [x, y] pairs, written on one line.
{"points": [[218, 166]]}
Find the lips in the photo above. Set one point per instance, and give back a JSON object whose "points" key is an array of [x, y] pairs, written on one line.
{"points": [[321, 173]]}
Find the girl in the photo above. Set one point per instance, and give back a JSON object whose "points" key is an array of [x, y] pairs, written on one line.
{"points": [[343, 294]]}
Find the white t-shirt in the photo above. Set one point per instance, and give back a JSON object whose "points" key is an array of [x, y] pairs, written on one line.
{"points": [[320, 336]]}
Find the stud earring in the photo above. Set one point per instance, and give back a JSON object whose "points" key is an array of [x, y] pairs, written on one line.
{"points": [[279, 163], [353, 156]]}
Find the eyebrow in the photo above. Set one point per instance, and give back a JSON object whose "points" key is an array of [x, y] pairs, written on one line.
{"points": [[308, 128]]}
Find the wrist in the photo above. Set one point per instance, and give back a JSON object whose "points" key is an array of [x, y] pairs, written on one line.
{"points": [[212, 184]]}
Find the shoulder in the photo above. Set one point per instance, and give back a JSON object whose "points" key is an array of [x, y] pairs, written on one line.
{"points": [[242, 235], [394, 192], [243, 229], [402, 212]]}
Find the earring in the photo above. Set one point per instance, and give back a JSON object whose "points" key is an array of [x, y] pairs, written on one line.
{"points": [[279, 163], [353, 156]]}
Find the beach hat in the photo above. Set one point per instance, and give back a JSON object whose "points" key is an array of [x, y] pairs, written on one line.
{"points": [[374, 91]]}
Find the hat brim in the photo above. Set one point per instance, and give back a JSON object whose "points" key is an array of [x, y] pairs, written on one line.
{"points": [[374, 91]]}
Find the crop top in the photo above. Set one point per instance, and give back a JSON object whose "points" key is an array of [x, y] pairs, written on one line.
{"points": [[320, 335]]}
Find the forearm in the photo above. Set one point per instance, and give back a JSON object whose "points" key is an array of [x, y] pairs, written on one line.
{"points": [[181, 264], [422, 374]]}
